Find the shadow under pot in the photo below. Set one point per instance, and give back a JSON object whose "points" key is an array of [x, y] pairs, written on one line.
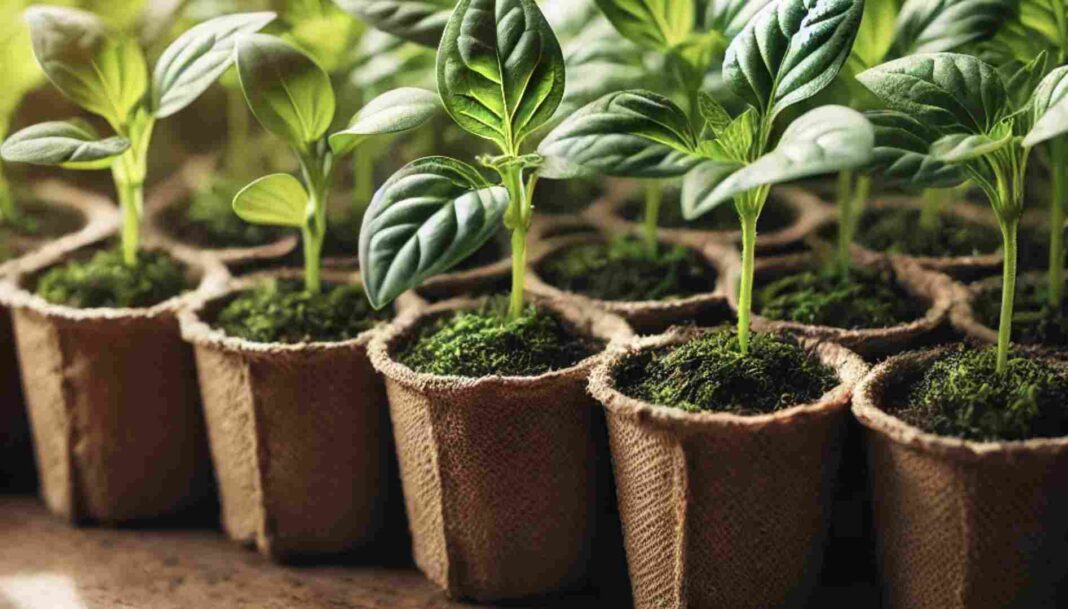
{"points": [[505, 478], [883, 307], [191, 211], [1035, 323], [722, 509], [113, 400], [961, 524], [298, 430], [652, 291]]}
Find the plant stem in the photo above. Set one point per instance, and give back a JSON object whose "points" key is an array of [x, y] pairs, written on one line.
{"points": [[1008, 292], [654, 196], [852, 193], [1056, 222], [129, 172], [317, 170], [934, 199], [8, 211], [130, 199], [517, 219], [237, 135], [745, 290], [363, 187]]}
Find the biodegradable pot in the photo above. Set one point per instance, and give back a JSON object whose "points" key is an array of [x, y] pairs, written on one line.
{"points": [[298, 433], [503, 479], [113, 402], [163, 202], [935, 291], [967, 322], [811, 212], [651, 316], [962, 524], [98, 220], [718, 509]]}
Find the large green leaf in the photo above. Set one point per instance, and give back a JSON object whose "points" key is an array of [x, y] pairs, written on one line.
{"points": [[824, 140], [102, 72], [392, 112], [420, 21], [500, 70], [1049, 108], [198, 58], [876, 33], [700, 183], [902, 153], [288, 92], [963, 147], [630, 133], [790, 51], [599, 62], [657, 24], [727, 17], [429, 216], [946, 91], [278, 200], [72, 144], [934, 26]]}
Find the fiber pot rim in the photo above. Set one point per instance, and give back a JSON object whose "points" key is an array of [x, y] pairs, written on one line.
{"points": [[723, 259], [179, 186], [605, 327], [965, 320], [870, 396], [199, 332], [602, 386]]}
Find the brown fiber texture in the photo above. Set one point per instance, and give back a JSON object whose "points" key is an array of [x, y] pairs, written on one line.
{"points": [[504, 478], [934, 291], [298, 433], [721, 510], [811, 213], [651, 316], [177, 189], [961, 524], [113, 403]]}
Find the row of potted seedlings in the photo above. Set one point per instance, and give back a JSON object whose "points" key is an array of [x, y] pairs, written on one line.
{"points": [[506, 388]]}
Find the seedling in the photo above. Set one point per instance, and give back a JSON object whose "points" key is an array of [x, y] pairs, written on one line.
{"points": [[105, 73], [292, 98], [988, 129], [500, 75], [786, 53], [20, 76]]}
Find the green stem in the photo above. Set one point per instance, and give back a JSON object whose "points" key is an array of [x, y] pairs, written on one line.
{"points": [[131, 200], [1008, 293], [8, 211], [852, 194], [363, 188], [654, 196], [129, 172], [517, 218], [1056, 222], [317, 171], [238, 131], [745, 290], [934, 200]]}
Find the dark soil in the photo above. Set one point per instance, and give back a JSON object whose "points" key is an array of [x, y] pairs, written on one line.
{"points": [[711, 374], [775, 216], [961, 395], [283, 312], [625, 270], [564, 196], [484, 343], [106, 281], [898, 230], [37, 222], [866, 298], [208, 220], [1034, 321]]}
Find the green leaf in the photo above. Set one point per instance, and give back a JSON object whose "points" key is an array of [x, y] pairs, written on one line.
{"points": [[428, 217], [732, 143], [72, 144], [1022, 80], [876, 34], [656, 24], [598, 64], [824, 140], [790, 51], [727, 17], [278, 200], [1049, 108], [699, 184], [902, 153], [198, 58], [946, 91], [712, 112], [962, 147], [419, 21], [288, 92], [392, 112], [500, 70], [99, 71], [631, 133], [935, 26]]}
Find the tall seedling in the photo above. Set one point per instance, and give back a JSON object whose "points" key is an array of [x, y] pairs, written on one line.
{"points": [[105, 73], [500, 75], [787, 53], [292, 98], [987, 129]]}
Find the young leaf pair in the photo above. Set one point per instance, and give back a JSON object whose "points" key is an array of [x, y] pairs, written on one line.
{"points": [[785, 54], [986, 127], [291, 96], [105, 73]]}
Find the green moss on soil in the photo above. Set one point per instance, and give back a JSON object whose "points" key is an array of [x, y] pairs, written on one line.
{"points": [[105, 281], [898, 230], [1034, 322], [711, 374], [208, 220], [36, 222], [866, 298], [775, 217], [483, 342], [961, 395], [624, 270], [283, 312]]}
